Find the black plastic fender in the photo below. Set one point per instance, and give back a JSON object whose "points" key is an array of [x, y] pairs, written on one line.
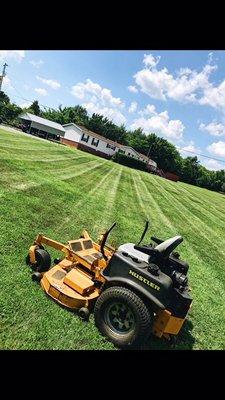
{"points": [[130, 284]]}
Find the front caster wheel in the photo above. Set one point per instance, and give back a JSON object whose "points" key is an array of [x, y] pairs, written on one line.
{"points": [[84, 313], [36, 276]]}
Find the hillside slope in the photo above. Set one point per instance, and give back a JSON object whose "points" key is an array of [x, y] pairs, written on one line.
{"points": [[49, 188]]}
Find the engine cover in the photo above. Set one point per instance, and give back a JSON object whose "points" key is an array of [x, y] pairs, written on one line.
{"points": [[128, 268]]}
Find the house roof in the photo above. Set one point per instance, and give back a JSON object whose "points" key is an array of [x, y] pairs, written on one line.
{"points": [[42, 121]]}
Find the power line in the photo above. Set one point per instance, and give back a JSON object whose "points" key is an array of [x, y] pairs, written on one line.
{"points": [[203, 155], [30, 101]]}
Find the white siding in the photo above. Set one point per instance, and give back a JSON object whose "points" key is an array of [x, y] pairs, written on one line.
{"points": [[72, 133], [102, 145], [128, 151]]}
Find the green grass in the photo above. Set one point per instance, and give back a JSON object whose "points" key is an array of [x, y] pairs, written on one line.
{"points": [[49, 188]]}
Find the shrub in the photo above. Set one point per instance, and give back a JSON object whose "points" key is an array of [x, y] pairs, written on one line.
{"points": [[129, 161]]}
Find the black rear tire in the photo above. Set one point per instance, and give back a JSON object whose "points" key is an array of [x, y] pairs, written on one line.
{"points": [[122, 317]]}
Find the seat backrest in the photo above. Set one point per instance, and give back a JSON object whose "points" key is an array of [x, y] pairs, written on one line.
{"points": [[165, 248]]}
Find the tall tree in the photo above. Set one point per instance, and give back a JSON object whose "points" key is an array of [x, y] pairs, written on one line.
{"points": [[34, 108]]}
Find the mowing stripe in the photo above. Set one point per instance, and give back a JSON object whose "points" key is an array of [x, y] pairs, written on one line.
{"points": [[193, 197], [83, 200], [173, 201], [193, 257], [138, 181]]}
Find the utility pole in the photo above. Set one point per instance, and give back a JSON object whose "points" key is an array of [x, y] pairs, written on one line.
{"points": [[3, 75]]}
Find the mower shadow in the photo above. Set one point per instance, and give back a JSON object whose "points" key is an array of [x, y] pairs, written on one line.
{"points": [[184, 341]]}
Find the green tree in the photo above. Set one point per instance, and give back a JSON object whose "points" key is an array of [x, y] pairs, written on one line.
{"points": [[10, 112], [190, 170], [4, 99], [34, 108]]}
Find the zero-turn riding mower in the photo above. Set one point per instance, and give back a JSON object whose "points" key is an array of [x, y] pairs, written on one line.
{"points": [[134, 290]]}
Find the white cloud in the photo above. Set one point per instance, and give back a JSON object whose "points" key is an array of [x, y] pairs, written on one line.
{"points": [[210, 57], [214, 128], [50, 82], [99, 100], [212, 165], [154, 83], [17, 55], [149, 110], [132, 89], [159, 123], [26, 104], [36, 64], [214, 96], [217, 148], [94, 91], [150, 60], [111, 113], [133, 107], [42, 92], [185, 86]]}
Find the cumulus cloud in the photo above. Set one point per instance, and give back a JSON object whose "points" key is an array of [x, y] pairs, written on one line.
{"points": [[214, 96], [150, 60], [213, 165], [97, 99], [17, 55], [36, 64], [210, 57], [42, 92], [217, 148], [50, 82], [133, 107], [132, 89], [214, 128], [111, 113], [160, 84], [159, 123], [148, 110], [186, 85]]}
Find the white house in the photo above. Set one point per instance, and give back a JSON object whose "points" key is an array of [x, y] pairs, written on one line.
{"points": [[82, 138]]}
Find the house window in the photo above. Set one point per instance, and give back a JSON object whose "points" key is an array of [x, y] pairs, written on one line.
{"points": [[128, 154], [109, 146], [95, 142], [85, 138], [121, 151]]}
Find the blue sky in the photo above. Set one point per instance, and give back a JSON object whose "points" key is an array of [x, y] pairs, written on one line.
{"points": [[179, 95]]}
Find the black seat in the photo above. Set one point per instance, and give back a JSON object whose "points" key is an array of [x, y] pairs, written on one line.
{"points": [[162, 250], [167, 247]]}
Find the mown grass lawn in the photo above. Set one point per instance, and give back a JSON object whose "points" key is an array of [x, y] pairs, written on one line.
{"points": [[55, 190]]}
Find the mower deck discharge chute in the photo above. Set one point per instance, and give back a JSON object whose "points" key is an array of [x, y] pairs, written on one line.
{"points": [[134, 290]]}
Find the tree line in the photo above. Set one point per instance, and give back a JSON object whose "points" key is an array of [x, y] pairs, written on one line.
{"points": [[164, 153]]}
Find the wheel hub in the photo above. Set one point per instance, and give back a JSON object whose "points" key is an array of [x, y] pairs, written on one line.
{"points": [[119, 318]]}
